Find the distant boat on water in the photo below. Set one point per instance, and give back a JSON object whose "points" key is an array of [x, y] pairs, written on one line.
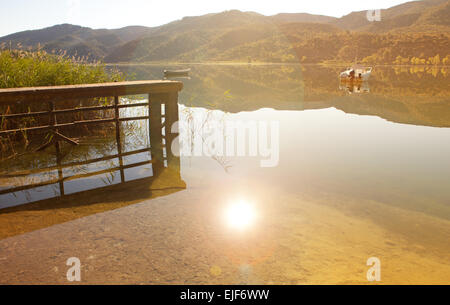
{"points": [[175, 73]]}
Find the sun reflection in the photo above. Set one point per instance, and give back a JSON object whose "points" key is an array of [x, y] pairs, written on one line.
{"points": [[240, 215]]}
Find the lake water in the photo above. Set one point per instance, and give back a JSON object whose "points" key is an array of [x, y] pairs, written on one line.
{"points": [[333, 175]]}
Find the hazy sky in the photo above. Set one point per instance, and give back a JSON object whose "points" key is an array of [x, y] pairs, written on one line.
{"points": [[20, 15]]}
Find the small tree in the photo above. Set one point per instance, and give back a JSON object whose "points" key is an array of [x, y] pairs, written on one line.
{"points": [[446, 60], [437, 59]]}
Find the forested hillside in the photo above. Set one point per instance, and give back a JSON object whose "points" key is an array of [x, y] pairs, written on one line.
{"points": [[415, 32]]}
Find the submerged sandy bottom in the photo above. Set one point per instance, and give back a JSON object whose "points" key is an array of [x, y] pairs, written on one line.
{"points": [[315, 238], [345, 191]]}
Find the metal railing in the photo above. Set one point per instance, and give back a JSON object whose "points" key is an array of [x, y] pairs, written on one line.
{"points": [[161, 94]]}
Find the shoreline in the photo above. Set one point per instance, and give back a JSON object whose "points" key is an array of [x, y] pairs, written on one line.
{"points": [[262, 64]]}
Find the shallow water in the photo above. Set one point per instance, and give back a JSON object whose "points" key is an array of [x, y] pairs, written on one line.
{"points": [[356, 171]]}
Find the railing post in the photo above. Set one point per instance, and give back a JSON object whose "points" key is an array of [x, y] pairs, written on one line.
{"points": [[53, 121], [172, 116], [118, 141], [155, 128], [60, 171]]}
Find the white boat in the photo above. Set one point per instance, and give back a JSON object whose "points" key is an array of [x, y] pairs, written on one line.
{"points": [[356, 72]]}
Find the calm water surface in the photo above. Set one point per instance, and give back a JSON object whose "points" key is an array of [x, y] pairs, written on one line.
{"points": [[363, 171]]}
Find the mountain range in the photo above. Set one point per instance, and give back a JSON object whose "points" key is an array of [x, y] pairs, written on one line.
{"points": [[418, 29]]}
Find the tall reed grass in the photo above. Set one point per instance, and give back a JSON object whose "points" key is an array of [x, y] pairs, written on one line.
{"points": [[26, 68], [32, 68]]}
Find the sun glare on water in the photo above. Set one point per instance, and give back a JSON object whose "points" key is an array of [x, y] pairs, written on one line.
{"points": [[240, 215]]}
